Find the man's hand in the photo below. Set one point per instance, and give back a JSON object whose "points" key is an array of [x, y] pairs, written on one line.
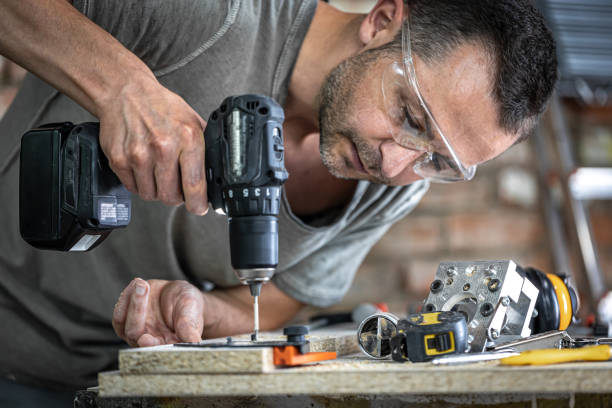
{"points": [[154, 142], [155, 312]]}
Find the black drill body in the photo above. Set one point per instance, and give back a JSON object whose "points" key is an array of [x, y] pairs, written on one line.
{"points": [[245, 172]]}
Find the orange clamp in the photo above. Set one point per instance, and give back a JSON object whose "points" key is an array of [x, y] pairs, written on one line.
{"points": [[290, 356]]}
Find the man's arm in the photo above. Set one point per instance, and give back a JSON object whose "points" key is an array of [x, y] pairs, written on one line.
{"points": [[157, 312], [152, 138], [275, 307]]}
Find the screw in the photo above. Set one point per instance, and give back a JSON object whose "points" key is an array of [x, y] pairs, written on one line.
{"points": [[494, 285], [436, 286], [469, 271], [451, 271], [505, 301], [494, 334], [491, 270], [486, 309], [466, 287], [429, 308]]}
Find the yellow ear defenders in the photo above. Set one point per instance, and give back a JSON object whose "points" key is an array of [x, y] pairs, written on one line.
{"points": [[557, 303]]}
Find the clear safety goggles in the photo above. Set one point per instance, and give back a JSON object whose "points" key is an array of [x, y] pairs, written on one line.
{"points": [[413, 126]]}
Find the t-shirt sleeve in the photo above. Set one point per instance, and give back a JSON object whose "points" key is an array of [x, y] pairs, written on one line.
{"points": [[323, 278], [161, 32]]}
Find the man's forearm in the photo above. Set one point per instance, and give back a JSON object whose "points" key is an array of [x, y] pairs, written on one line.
{"points": [[230, 311], [53, 40]]}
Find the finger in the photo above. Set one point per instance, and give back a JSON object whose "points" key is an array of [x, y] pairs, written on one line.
{"points": [[120, 310], [141, 163], [188, 318], [137, 312], [170, 338], [193, 181], [148, 340], [119, 166], [127, 179], [166, 169], [168, 186], [145, 182], [117, 160], [202, 121]]}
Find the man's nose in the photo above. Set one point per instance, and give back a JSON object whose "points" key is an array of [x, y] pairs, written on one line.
{"points": [[396, 158]]}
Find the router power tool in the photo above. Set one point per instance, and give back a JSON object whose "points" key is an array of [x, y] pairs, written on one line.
{"points": [[70, 200]]}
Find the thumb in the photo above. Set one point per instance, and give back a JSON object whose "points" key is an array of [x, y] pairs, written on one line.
{"points": [[188, 318], [202, 121]]}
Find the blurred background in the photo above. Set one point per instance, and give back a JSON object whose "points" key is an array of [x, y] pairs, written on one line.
{"points": [[545, 203], [530, 205]]}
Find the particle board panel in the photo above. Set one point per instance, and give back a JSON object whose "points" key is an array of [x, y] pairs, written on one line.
{"points": [[359, 376], [171, 360], [168, 359]]}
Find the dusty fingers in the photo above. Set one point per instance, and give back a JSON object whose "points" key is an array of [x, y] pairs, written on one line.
{"points": [[154, 143], [182, 305], [130, 314]]}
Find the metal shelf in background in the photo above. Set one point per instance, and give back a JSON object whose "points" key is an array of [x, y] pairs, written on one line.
{"points": [[583, 30]]}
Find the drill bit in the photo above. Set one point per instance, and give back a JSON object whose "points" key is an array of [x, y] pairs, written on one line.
{"points": [[255, 318], [255, 292]]}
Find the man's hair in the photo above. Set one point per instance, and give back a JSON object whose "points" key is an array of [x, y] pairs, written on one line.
{"points": [[514, 36]]}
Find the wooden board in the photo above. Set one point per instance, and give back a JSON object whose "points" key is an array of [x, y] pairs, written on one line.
{"points": [[168, 371], [169, 359], [359, 376]]}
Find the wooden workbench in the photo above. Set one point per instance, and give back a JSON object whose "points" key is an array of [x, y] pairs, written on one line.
{"points": [[228, 377]]}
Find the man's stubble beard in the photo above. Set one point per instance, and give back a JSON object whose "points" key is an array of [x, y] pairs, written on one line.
{"points": [[334, 99], [334, 96]]}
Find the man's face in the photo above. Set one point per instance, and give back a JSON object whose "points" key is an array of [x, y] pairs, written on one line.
{"points": [[356, 140]]}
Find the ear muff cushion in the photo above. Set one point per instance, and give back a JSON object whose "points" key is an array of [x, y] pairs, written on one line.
{"points": [[564, 299], [547, 303], [573, 294]]}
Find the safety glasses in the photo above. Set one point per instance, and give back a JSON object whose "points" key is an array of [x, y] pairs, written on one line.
{"points": [[413, 126]]}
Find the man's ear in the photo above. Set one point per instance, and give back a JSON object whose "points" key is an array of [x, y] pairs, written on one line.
{"points": [[382, 23]]}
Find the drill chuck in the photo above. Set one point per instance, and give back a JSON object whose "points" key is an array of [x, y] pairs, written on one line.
{"points": [[254, 242], [254, 247]]}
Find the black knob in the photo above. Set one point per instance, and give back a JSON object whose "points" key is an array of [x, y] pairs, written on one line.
{"points": [[295, 333]]}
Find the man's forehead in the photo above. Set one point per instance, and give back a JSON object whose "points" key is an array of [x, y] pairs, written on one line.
{"points": [[459, 92]]}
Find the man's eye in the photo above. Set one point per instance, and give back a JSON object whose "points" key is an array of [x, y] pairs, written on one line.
{"points": [[408, 117], [440, 162]]}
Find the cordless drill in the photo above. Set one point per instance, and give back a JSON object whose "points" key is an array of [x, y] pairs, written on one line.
{"points": [[70, 200], [245, 172]]}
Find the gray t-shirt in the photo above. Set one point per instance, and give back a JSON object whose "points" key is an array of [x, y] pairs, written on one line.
{"points": [[56, 308]]}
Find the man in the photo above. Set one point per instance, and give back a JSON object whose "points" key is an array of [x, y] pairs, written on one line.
{"points": [[374, 105]]}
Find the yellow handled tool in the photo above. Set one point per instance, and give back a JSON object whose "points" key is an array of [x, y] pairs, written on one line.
{"points": [[555, 356]]}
